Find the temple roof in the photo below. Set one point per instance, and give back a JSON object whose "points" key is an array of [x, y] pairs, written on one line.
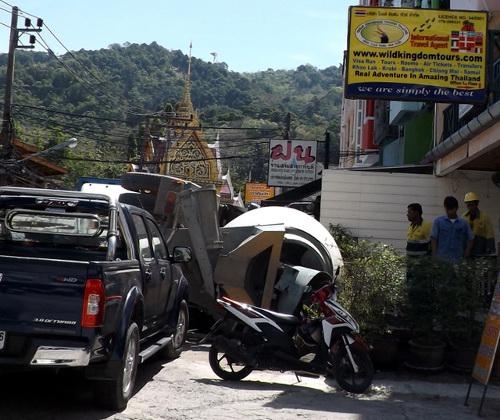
{"points": [[188, 155]]}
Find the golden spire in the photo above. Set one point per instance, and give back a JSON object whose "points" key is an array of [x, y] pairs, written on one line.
{"points": [[185, 106]]}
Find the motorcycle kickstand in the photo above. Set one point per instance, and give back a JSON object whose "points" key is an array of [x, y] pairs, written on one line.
{"points": [[298, 377]]}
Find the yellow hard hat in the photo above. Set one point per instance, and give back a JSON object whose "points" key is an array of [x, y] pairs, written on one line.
{"points": [[471, 196]]}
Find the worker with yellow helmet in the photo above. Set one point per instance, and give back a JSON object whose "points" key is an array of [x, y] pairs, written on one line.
{"points": [[480, 223]]}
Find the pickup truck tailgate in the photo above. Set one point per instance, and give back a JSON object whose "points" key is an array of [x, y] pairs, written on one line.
{"points": [[41, 295]]}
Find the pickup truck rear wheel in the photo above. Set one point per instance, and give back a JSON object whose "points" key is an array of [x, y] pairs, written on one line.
{"points": [[174, 349], [114, 394]]}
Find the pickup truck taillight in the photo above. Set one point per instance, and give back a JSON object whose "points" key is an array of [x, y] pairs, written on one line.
{"points": [[93, 304]]}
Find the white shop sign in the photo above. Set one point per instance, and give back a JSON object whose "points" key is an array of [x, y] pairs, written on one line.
{"points": [[292, 163]]}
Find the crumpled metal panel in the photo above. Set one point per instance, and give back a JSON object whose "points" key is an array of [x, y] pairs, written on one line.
{"points": [[320, 249]]}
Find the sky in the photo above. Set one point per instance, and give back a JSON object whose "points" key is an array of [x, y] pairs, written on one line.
{"points": [[247, 35]]}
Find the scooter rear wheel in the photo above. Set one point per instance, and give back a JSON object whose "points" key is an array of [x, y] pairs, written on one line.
{"points": [[225, 367], [345, 376]]}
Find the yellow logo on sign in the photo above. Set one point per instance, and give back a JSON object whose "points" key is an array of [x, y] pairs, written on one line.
{"points": [[382, 33]]}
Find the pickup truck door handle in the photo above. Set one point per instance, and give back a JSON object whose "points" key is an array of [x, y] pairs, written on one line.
{"points": [[163, 271]]}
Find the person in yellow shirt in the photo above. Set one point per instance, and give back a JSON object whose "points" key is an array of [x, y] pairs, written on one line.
{"points": [[480, 223], [418, 248], [418, 236]]}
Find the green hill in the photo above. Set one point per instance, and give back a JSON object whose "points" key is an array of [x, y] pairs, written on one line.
{"points": [[116, 87]]}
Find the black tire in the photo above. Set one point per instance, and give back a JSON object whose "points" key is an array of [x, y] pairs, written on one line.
{"points": [[174, 349], [356, 383], [232, 371], [114, 394], [141, 182]]}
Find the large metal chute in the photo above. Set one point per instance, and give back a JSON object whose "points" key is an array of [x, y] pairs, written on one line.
{"points": [[245, 258]]}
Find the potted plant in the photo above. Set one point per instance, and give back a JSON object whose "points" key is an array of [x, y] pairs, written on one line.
{"points": [[464, 314], [372, 289]]}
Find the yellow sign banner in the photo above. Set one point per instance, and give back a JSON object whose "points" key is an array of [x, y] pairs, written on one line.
{"points": [[416, 54], [255, 192]]}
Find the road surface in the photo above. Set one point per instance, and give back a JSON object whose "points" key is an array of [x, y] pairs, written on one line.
{"points": [[187, 388]]}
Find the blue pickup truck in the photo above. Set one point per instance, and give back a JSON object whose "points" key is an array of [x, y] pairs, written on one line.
{"points": [[87, 282]]}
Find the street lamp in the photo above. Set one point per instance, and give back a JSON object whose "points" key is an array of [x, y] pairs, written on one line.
{"points": [[70, 143]]}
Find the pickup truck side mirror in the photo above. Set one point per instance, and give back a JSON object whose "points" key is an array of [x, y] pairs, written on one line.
{"points": [[181, 254]]}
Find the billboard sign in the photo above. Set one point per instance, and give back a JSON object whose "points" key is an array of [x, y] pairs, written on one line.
{"points": [[416, 55], [292, 163], [255, 192]]}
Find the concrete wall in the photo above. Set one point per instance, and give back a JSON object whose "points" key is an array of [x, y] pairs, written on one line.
{"points": [[372, 205]]}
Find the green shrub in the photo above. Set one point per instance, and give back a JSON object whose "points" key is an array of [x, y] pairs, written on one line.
{"points": [[468, 296], [372, 284], [432, 298]]}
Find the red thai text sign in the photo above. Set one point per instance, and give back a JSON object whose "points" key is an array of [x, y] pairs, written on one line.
{"points": [[292, 163]]}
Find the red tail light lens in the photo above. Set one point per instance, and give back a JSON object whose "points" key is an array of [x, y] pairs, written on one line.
{"points": [[322, 294], [93, 304]]}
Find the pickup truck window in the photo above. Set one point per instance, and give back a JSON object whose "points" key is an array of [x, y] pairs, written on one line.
{"points": [[159, 248], [41, 227], [142, 238], [77, 224]]}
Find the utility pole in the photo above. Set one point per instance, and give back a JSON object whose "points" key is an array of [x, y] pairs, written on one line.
{"points": [[6, 135], [145, 137], [288, 121], [15, 33], [327, 150]]}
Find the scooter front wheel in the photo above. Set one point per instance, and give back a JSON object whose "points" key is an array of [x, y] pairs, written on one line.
{"points": [[346, 377], [225, 367]]}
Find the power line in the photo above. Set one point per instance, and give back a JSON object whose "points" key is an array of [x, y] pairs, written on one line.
{"points": [[10, 5], [123, 140], [156, 162], [86, 69], [70, 114], [151, 162], [49, 50], [5, 10], [125, 134], [79, 127], [87, 137], [68, 69], [208, 127], [72, 55], [201, 127]]}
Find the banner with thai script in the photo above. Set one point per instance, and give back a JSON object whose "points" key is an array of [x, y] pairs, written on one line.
{"points": [[489, 341], [255, 192], [292, 163], [416, 55]]}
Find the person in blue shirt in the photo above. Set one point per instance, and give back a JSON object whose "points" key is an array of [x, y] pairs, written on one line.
{"points": [[451, 236]]}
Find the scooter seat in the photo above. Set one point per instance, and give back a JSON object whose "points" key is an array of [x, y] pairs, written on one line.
{"points": [[278, 317]]}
